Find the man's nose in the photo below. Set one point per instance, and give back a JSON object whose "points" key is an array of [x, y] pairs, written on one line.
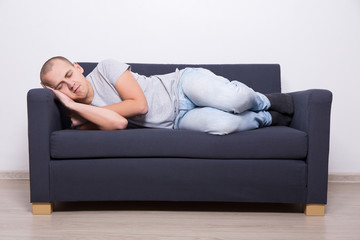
{"points": [[70, 83]]}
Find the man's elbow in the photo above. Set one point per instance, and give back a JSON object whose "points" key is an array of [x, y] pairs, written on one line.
{"points": [[118, 124], [121, 124], [143, 109]]}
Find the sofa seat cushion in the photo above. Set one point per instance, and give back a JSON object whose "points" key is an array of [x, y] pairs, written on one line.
{"points": [[266, 143]]}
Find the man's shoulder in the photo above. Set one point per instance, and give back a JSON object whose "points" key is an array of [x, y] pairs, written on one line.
{"points": [[109, 70], [110, 62]]}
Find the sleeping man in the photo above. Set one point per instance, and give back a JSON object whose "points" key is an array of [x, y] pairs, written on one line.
{"points": [[192, 99]]}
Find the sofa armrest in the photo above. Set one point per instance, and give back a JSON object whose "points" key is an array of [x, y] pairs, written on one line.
{"points": [[312, 115], [44, 117]]}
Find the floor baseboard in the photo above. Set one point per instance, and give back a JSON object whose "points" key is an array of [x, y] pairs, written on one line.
{"points": [[333, 177], [344, 177], [14, 175]]}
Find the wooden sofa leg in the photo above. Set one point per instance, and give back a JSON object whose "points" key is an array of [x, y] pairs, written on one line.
{"points": [[315, 210], [42, 208]]}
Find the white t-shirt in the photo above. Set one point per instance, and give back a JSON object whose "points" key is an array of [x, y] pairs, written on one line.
{"points": [[161, 92]]}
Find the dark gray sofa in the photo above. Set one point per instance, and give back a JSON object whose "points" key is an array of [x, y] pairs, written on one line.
{"points": [[274, 164]]}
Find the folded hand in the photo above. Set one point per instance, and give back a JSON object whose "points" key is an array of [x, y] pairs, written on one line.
{"points": [[68, 102]]}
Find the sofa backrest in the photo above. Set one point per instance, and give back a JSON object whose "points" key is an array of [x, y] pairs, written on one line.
{"points": [[264, 78]]}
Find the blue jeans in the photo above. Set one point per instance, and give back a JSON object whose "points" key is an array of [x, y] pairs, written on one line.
{"points": [[213, 104]]}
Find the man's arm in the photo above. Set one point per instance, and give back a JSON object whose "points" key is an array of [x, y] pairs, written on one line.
{"points": [[133, 99], [103, 118]]}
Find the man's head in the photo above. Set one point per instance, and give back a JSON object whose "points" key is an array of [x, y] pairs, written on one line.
{"points": [[47, 67], [60, 74]]}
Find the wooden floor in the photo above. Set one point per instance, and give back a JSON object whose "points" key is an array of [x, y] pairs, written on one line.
{"points": [[178, 220]]}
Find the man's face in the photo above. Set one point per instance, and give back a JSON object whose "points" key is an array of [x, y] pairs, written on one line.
{"points": [[68, 79]]}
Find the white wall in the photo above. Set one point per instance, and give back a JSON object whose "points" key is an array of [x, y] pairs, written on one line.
{"points": [[317, 43]]}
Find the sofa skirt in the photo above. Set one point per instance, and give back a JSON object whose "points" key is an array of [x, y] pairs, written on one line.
{"points": [[178, 179]]}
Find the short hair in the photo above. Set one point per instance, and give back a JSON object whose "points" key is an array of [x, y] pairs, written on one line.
{"points": [[48, 66]]}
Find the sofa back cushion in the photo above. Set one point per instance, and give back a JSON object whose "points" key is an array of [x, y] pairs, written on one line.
{"points": [[264, 78]]}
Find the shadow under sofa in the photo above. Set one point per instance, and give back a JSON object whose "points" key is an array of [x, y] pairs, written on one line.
{"points": [[275, 164]]}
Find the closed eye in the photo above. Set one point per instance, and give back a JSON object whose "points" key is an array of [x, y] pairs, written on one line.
{"points": [[59, 86], [68, 74]]}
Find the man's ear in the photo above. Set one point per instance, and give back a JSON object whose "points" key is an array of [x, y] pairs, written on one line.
{"points": [[76, 65]]}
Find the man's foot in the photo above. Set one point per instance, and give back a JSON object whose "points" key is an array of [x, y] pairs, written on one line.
{"points": [[279, 119], [281, 102]]}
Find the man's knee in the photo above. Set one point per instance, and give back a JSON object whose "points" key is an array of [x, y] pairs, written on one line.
{"points": [[242, 101]]}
